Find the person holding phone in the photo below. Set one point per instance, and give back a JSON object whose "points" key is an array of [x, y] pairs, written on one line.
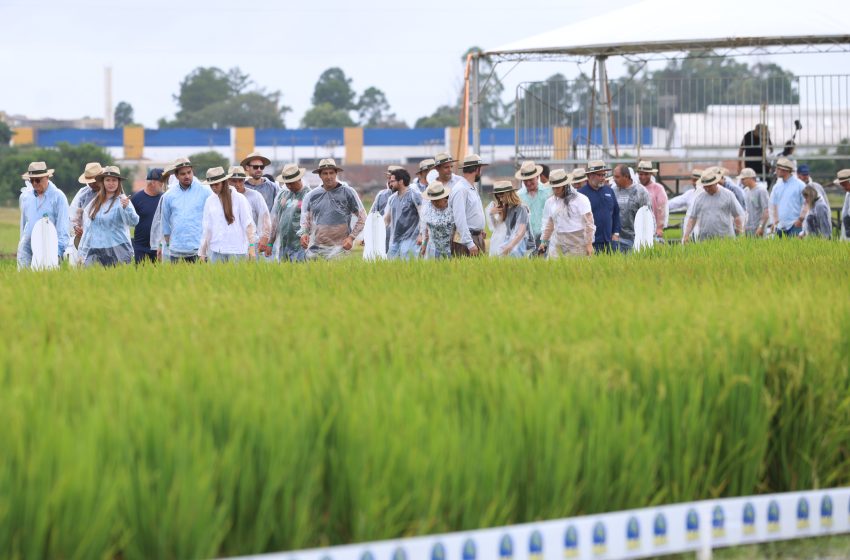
{"points": [[106, 223]]}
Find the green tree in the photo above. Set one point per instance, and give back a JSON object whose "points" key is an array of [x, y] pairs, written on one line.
{"points": [[326, 115], [123, 114], [202, 161], [374, 110], [492, 111], [443, 116], [334, 88], [5, 134]]}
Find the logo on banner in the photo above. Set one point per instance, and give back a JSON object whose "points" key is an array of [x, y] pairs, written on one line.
{"points": [[571, 542], [749, 519], [659, 530], [468, 550], [803, 513], [718, 523], [599, 538], [399, 554], [438, 552], [826, 512], [535, 546], [506, 547], [773, 516], [367, 556], [633, 534], [692, 524]]}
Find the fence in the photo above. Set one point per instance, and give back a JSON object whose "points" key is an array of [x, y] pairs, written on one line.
{"points": [[659, 531], [681, 119]]}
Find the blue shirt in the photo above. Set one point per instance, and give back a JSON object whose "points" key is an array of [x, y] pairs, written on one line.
{"points": [[145, 206], [606, 211], [109, 227], [182, 217], [787, 196], [53, 204]]}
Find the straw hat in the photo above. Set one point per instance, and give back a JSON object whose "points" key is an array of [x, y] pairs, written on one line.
{"points": [[747, 173], [500, 187], [436, 191], [710, 177], [473, 160], [89, 176], [255, 155], [426, 165], [579, 176], [442, 158], [696, 173], [646, 167], [785, 163], [37, 169], [528, 170], [560, 178], [327, 163], [111, 171], [842, 176], [290, 173], [237, 172], [167, 172], [216, 175], [596, 166], [180, 163], [391, 168]]}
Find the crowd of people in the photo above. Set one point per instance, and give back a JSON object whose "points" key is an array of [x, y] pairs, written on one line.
{"points": [[241, 214]]}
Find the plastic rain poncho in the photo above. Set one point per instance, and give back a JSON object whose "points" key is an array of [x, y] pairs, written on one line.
{"points": [[222, 238], [106, 239], [53, 204], [437, 229], [267, 189], [329, 217], [182, 216], [259, 213], [286, 221], [568, 225], [497, 229]]}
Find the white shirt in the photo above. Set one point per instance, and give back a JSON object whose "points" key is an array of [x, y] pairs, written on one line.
{"points": [[467, 208], [219, 236], [566, 221]]}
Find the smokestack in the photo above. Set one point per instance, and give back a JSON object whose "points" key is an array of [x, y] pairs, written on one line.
{"points": [[109, 116]]}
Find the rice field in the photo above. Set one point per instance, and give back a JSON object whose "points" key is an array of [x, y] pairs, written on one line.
{"points": [[198, 411]]}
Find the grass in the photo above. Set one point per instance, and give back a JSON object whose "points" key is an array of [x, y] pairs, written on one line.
{"points": [[200, 411]]}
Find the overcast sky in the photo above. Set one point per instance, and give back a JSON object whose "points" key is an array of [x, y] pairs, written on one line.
{"points": [[53, 53]]}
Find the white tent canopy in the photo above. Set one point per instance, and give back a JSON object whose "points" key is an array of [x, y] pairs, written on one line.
{"points": [[653, 26]]}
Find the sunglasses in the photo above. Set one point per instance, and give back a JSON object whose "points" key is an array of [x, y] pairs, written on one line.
{"points": [[257, 166], [36, 180]]}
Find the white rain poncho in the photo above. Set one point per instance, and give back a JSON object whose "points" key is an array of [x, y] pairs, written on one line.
{"points": [[78, 204], [497, 229], [402, 215], [568, 224], [818, 222], [329, 217], [53, 204], [517, 233], [845, 218], [259, 213], [106, 237]]}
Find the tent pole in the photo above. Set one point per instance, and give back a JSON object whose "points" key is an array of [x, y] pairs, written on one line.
{"points": [[604, 105], [476, 102]]}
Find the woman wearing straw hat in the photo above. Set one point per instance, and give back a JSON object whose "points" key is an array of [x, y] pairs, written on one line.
{"points": [[228, 231], [85, 195], [286, 215], [437, 226], [106, 223], [43, 198], [518, 237], [817, 223], [568, 215]]}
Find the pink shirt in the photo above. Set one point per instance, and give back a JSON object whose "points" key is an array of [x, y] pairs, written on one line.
{"points": [[659, 203]]}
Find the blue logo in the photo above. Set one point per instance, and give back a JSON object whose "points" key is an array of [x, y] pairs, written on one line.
{"points": [[718, 522], [749, 519], [571, 542], [773, 516], [468, 550], [826, 511], [692, 524], [399, 554], [599, 538], [659, 530], [633, 533], [438, 552], [367, 556], [506, 547], [803, 513], [535, 545]]}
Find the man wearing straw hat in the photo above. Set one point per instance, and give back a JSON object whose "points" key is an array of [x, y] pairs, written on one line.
{"points": [[843, 180], [715, 210], [603, 203], [43, 199], [85, 195], [259, 211], [757, 203], [631, 197], [326, 215], [286, 214], [533, 195], [254, 163], [183, 213], [657, 194], [421, 181], [786, 201], [465, 203]]}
